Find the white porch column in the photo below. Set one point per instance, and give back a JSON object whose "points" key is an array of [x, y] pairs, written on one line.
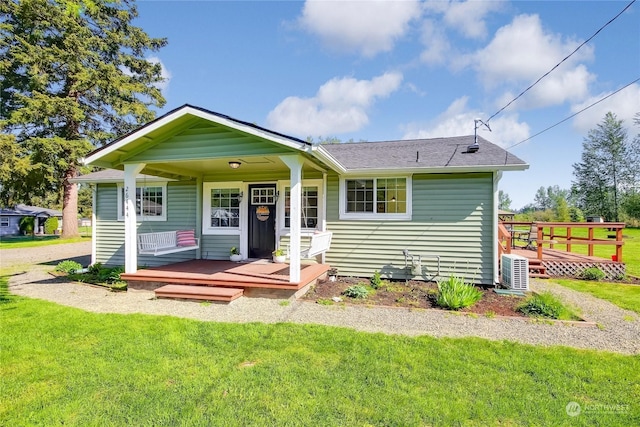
{"points": [[494, 226], [295, 165], [130, 231]]}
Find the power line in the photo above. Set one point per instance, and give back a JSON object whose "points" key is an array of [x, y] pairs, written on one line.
{"points": [[560, 63], [575, 114]]}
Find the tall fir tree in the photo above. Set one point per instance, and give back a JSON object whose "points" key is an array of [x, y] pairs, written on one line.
{"points": [[73, 74], [608, 169]]}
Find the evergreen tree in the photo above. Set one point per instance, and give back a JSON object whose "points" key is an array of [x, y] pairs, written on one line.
{"points": [[504, 201], [607, 170], [73, 75]]}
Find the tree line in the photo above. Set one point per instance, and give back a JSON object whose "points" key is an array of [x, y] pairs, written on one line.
{"points": [[606, 181]]}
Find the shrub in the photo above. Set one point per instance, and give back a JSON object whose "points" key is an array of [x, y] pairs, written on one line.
{"points": [[51, 225], [592, 273], [544, 305], [454, 294], [27, 224], [68, 266], [376, 280], [356, 292]]}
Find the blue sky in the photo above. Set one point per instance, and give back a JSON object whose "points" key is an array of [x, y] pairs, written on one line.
{"points": [[386, 70]]}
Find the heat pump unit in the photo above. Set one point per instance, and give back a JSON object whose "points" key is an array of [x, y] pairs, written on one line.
{"points": [[515, 272]]}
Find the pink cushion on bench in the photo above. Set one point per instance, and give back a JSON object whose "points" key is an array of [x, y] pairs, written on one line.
{"points": [[186, 238]]}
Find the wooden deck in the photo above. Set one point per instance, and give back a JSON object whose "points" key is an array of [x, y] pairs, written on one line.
{"points": [[255, 278], [560, 263]]}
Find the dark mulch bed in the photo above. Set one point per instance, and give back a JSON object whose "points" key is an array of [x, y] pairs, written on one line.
{"points": [[411, 294]]}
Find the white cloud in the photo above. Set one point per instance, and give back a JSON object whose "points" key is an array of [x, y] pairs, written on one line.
{"points": [[521, 52], [457, 120], [436, 43], [339, 106], [165, 73], [623, 104], [466, 17], [368, 27]]}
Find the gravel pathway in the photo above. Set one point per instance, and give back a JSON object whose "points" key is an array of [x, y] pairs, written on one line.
{"points": [[610, 328]]}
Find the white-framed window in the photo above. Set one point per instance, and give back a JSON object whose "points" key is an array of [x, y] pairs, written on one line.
{"points": [[310, 209], [222, 208], [4, 221], [375, 198], [150, 200]]}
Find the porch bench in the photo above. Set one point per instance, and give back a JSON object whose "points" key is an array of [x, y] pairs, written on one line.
{"points": [[167, 242], [318, 244]]}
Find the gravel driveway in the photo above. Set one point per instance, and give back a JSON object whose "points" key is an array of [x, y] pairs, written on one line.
{"points": [[610, 328]]}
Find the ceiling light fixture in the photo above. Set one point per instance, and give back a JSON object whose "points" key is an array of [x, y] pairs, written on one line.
{"points": [[234, 165]]}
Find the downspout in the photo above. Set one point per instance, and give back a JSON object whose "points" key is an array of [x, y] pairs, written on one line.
{"points": [[94, 224], [494, 225], [199, 208]]}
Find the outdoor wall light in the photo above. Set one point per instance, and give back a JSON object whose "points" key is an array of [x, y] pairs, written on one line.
{"points": [[240, 195], [234, 165]]}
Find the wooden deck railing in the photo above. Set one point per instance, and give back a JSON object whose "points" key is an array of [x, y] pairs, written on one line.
{"points": [[548, 234], [504, 240]]}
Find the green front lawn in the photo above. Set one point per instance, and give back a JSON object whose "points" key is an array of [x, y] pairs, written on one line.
{"points": [[61, 365], [622, 295], [10, 242]]}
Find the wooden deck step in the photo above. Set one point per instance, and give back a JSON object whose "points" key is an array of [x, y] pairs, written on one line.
{"points": [[540, 275], [210, 293]]}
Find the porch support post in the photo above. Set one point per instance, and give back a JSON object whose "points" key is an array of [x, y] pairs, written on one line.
{"points": [[295, 165], [130, 217], [198, 225]]}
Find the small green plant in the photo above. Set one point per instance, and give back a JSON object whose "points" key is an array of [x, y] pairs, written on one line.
{"points": [[490, 314], [51, 225], [376, 280], [454, 294], [592, 273], [356, 292], [68, 266], [545, 305], [284, 303], [278, 252], [234, 251], [325, 301]]}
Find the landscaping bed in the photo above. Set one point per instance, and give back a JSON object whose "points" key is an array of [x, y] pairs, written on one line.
{"points": [[413, 294]]}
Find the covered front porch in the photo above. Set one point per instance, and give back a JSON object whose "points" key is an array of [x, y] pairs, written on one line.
{"points": [[225, 280]]}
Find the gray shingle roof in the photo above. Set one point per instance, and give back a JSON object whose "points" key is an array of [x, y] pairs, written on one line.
{"points": [[422, 153]]}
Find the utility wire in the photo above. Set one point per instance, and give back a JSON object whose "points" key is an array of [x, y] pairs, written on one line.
{"points": [[575, 114], [560, 63]]}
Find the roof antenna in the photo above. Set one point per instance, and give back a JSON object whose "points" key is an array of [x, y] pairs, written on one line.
{"points": [[475, 146]]}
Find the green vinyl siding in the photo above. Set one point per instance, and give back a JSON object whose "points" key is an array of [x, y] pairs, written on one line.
{"points": [[181, 215], [209, 143], [451, 217], [218, 246]]}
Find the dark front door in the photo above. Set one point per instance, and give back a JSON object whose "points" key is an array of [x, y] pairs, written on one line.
{"points": [[262, 220]]}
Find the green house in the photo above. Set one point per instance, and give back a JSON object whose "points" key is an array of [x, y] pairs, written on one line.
{"points": [[240, 185]]}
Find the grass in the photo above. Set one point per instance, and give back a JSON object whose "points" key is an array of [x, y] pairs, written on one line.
{"points": [[33, 241], [61, 365], [622, 295]]}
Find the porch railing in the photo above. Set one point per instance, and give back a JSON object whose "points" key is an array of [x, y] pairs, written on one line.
{"points": [[561, 233]]}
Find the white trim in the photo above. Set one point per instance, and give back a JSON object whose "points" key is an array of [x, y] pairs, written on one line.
{"points": [[373, 216], [442, 169], [144, 184], [494, 225], [281, 187], [241, 230]]}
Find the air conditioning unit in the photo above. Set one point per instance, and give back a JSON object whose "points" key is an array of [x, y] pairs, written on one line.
{"points": [[515, 272]]}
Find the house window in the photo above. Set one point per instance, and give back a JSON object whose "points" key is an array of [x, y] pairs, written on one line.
{"points": [[4, 221], [225, 208], [309, 214], [150, 202], [376, 198], [222, 207]]}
